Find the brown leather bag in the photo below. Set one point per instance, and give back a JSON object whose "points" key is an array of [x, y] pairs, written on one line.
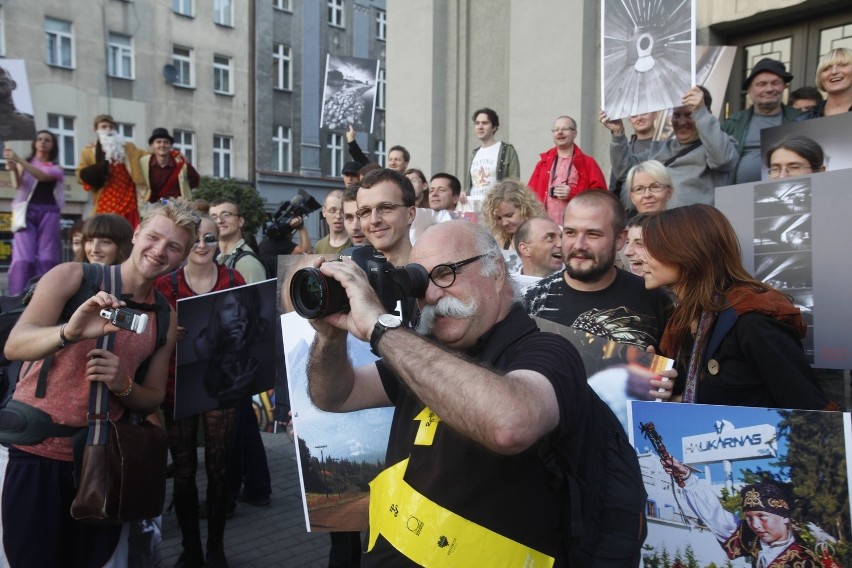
{"points": [[122, 476], [125, 478]]}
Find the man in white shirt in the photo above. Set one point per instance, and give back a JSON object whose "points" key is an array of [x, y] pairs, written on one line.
{"points": [[491, 162]]}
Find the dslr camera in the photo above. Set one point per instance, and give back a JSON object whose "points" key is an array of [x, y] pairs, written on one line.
{"points": [[314, 295]]}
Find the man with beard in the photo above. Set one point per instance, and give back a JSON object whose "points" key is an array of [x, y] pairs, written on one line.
{"points": [[470, 401], [337, 239], [591, 294], [110, 169]]}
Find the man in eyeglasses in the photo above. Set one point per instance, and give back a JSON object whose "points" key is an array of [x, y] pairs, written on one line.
{"points": [[564, 171], [226, 214], [458, 470], [337, 239], [386, 209]]}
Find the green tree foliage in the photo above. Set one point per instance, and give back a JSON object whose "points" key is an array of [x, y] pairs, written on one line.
{"points": [[248, 198], [816, 464]]}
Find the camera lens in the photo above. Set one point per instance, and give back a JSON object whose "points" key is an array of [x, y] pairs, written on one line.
{"points": [[314, 295]]}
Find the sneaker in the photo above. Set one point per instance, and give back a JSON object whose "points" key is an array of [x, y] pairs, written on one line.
{"points": [[263, 502]]}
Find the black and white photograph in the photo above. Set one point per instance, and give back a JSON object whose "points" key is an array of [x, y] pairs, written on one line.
{"points": [[16, 105], [226, 353], [647, 55], [349, 95], [791, 233]]}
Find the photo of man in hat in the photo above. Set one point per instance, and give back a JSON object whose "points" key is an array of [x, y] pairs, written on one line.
{"points": [[166, 171], [766, 536]]}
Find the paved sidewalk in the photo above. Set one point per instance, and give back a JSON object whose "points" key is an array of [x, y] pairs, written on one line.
{"points": [[261, 537]]}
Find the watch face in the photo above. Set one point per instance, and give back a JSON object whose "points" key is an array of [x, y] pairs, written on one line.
{"points": [[389, 320]]}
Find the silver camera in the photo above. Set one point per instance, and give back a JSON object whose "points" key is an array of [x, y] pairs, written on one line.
{"points": [[126, 318]]}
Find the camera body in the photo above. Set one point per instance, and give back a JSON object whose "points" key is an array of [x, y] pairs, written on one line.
{"points": [[314, 295], [126, 318]]}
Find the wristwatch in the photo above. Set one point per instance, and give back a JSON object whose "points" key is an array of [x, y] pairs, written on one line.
{"points": [[386, 322]]}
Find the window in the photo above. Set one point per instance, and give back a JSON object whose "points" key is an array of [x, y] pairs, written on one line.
{"points": [[222, 156], [63, 128], [380, 90], [285, 5], [58, 43], [185, 144], [223, 12], [222, 75], [282, 68], [335, 150], [120, 58], [335, 13], [183, 7], [381, 25], [182, 59], [380, 152], [2, 31], [283, 159], [126, 130]]}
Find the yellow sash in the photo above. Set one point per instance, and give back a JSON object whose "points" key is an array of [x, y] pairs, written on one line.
{"points": [[430, 535]]}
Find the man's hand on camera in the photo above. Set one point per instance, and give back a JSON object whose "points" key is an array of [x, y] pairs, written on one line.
{"points": [[364, 305]]}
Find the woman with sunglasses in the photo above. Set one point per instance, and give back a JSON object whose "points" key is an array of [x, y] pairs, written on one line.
{"points": [[201, 275]]}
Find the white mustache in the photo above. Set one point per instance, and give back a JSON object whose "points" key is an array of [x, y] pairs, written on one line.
{"points": [[448, 306]]}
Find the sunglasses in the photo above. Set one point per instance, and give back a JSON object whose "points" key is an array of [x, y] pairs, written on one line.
{"points": [[209, 240]]}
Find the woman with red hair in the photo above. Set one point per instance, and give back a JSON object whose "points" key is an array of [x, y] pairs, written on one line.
{"points": [[735, 340]]}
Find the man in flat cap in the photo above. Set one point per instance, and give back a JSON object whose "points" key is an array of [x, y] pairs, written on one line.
{"points": [[765, 86]]}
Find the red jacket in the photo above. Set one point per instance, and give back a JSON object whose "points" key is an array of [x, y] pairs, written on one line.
{"points": [[589, 174]]}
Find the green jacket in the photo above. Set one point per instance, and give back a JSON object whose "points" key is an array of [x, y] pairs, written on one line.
{"points": [[737, 126], [508, 165]]}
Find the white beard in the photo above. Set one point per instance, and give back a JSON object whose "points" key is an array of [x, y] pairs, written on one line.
{"points": [[113, 146]]}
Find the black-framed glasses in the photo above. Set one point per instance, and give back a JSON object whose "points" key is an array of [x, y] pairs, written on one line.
{"points": [[383, 208], [444, 275], [208, 239]]}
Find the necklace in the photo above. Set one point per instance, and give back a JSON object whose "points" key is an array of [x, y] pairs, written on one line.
{"points": [[210, 276]]}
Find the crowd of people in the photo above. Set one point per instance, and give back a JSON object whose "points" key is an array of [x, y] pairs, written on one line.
{"points": [[467, 355]]}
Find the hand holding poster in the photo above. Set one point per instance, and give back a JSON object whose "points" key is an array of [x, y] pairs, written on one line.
{"points": [[16, 105], [647, 55], [349, 95]]}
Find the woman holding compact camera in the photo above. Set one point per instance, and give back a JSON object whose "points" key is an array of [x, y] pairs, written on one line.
{"points": [[201, 275]]}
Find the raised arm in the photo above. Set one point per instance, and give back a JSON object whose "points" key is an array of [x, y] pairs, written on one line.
{"points": [[36, 335]]}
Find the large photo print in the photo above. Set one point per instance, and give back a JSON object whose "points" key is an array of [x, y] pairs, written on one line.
{"points": [[737, 486]]}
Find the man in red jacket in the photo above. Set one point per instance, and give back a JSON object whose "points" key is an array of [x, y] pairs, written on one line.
{"points": [[564, 171]]}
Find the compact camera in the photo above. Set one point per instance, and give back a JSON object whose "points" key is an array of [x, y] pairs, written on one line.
{"points": [[126, 318]]}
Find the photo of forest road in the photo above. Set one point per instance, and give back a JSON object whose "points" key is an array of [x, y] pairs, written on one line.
{"points": [[337, 490], [349, 95]]}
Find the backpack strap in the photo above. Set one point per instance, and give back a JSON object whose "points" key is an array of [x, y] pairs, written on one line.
{"points": [[230, 277], [89, 286], [98, 415]]}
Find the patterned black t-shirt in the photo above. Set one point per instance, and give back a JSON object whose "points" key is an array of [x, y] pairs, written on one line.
{"points": [[624, 312]]}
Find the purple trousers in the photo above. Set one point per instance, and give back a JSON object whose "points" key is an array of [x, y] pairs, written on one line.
{"points": [[36, 249]]}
